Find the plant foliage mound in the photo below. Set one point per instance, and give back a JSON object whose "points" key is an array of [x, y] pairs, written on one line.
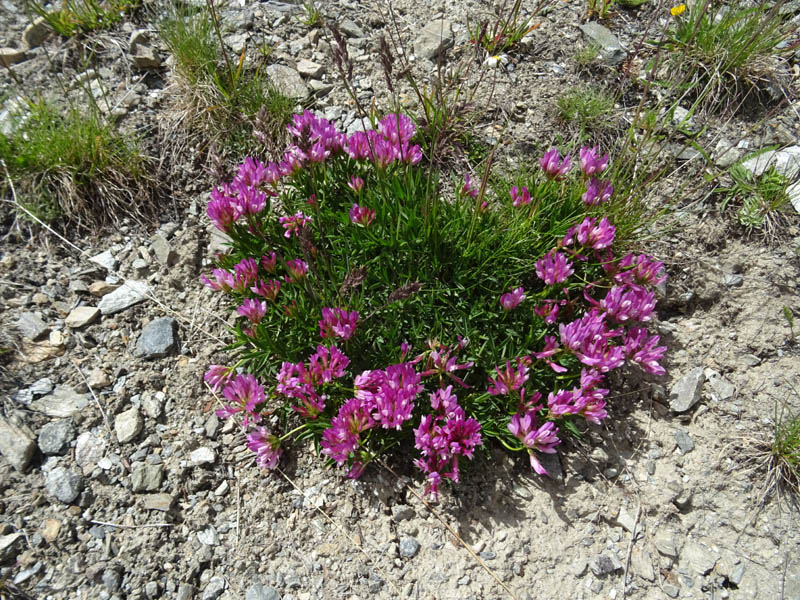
{"points": [[378, 311]]}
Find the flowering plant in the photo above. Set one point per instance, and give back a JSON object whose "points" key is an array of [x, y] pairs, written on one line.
{"points": [[377, 313]]}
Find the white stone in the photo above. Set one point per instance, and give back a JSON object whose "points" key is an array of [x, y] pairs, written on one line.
{"points": [[130, 293], [203, 456], [128, 425], [82, 316]]}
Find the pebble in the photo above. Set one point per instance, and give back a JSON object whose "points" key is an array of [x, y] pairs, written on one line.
{"points": [[146, 477], [89, 449], [308, 68], [433, 39], [288, 81], [42, 386], [700, 558], [185, 592], [130, 293], [61, 403], [685, 443], [603, 564], [402, 512], [151, 589], [671, 590], [203, 456], [30, 325], [101, 288], [350, 29], [55, 437], [158, 338], [685, 393], [98, 379], [112, 578], [208, 536], [665, 544], [261, 592], [64, 484], [162, 502], [128, 425], [82, 316], [105, 260], [35, 33], [214, 588], [11, 56], [16, 444], [611, 50], [153, 404], [408, 547]]}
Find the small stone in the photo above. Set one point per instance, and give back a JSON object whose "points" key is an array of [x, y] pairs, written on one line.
{"points": [[55, 437], [112, 578], [130, 293], [51, 529], [214, 588], [208, 536], [626, 519], [105, 260], [9, 544], [700, 558], [596, 586], [128, 425], [552, 464], [30, 325], [434, 39], [16, 444], [211, 426], [89, 449], [686, 392], [151, 589], [671, 590], [732, 280], [63, 402], [408, 547], [603, 564], [11, 56], [721, 388], [64, 484], [203, 456], [153, 404], [146, 477], [41, 386], [162, 251], [607, 43], [158, 338], [786, 162], [185, 592], [665, 544], [101, 288], [579, 566], [261, 592], [36, 32], [685, 443], [642, 564], [146, 58], [288, 81], [350, 29], [308, 68], [82, 316], [222, 489], [26, 574], [402, 512], [138, 36], [161, 502], [98, 379]]}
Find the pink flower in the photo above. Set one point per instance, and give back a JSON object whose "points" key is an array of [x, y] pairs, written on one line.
{"points": [[253, 310], [297, 269], [327, 364], [243, 394], [294, 224], [337, 322], [526, 429], [520, 196], [266, 446], [468, 189], [217, 376], [361, 215], [597, 192], [267, 289], [509, 379], [342, 438], [512, 299], [553, 268], [591, 234], [641, 348], [269, 262], [591, 162], [553, 165], [640, 270], [356, 184]]}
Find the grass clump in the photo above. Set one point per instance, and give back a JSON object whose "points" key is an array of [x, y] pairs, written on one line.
{"points": [[76, 166], [312, 16], [82, 16], [724, 50], [228, 102], [760, 200], [504, 31], [588, 110]]}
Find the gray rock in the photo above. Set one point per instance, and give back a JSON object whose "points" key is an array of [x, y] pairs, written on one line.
{"points": [[35, 33], [786, 162], [596, 586], [700, 558], [552, 464], [185, 592], [128, 425], [129, 293], [64, 484], [671, 590], [63, 402], [721, 388], [89, 449], [611, 51], [288, 81], [726, 154], [146, 477], [112, 578], [106, 260], [41, 386], [211, 426], [203, 456], [642, 564], [350, 29], [408, 547], [603, 564], [161, 502], [793, 191], [402, 512], [686, 392], [162, 250], [664, 542], [31, 326], [732, 280], [151, 589], [55, 437], [578, 567], [139, 36], [214, 588], [16, 444], [11, 56], [308, 68], [153, 404], [626, 519], [26, 574], [434, 39], [81, 316], [208, 536], [158, 338], [146, 58], [685, 443]]}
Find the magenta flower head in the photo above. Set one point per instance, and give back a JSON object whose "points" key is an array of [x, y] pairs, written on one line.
{"points": [[542, 438], [297, 269], [553, 268], [294, 223], [468, 189], [269, 262], [337, 322], [597, 192], [361, 215], [512, 299], [217, 376], [553, 165], [221, 209], [356, 184], [253, 310], [520, 196], [243, 394], [266, 446], [591, 234], [267, 289], [591, 162]]}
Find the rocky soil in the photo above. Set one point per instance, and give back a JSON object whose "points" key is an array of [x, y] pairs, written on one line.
{"points": [[118, 481]]}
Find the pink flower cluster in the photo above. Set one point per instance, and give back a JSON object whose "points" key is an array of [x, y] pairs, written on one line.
{"points": [[300, 382], [337, 322], [244, 394], [525, 427], [442, 360], [389, 144], [443, 436], [361, 215]]}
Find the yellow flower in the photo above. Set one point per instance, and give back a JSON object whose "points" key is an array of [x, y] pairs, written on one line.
{"points": [[677, 10]]}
